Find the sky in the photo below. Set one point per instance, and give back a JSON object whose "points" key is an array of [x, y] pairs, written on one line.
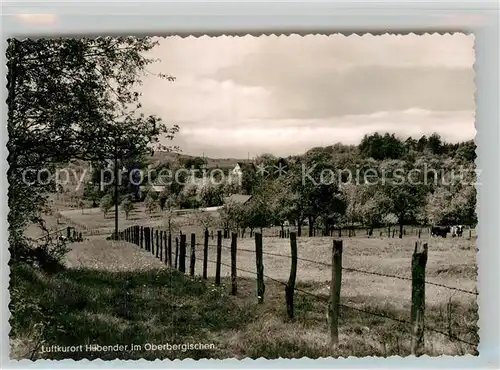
{"points": [[244, 96]]}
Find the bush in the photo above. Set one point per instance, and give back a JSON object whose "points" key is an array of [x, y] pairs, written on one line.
{"points": [[106, 204], [46, 254]]}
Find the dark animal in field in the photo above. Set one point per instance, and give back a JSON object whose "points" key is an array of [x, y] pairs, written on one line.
{"points": [[440, 231]]}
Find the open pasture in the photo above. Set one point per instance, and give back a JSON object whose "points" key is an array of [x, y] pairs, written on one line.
{"points": [[194, 221], [451, 262]]}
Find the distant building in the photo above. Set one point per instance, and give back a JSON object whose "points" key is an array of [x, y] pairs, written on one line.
{"points": [[237, 170], [240, 167], [237, 198], [143, 190]]}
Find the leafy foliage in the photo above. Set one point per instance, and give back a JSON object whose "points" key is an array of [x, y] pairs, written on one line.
{"points": [[72, 99], [107, 202], [127, 206]]}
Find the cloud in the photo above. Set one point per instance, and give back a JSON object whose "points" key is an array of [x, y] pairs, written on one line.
{"points": [[295, 136], [322, 76], [36, 18], [235, 95]]}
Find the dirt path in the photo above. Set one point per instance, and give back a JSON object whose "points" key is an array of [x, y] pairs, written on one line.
{"points": [[109, 255]]}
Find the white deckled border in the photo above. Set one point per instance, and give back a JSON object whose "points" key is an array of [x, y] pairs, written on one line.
{"points": [[189, 18]]}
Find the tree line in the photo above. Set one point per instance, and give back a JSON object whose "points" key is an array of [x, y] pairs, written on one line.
{"points": [[382, 181]]}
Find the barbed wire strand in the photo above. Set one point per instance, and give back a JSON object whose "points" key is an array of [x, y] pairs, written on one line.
{"points": [[326, 300], [353, 269]]}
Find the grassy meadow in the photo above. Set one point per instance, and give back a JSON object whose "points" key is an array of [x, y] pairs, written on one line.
{"points": [[116, 293]]}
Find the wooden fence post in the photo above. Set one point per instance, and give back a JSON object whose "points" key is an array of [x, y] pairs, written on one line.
{"points": [[260, 268], [165, 242], [234, 287], [418, 263], [146, 238], [176, 252], [219, 255], [193, 256], [68, 232], [335, 285], [182, 254], [141, 237], [161, 245], [290, 286], [169, 249], [205, 255], [419, 232], [157, 244], [152, 241]]}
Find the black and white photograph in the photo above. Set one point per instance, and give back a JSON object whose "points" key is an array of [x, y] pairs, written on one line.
{"points": [[219, 197]]}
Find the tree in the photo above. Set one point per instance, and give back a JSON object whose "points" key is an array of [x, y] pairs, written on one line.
{"points": [[150, 203], [127, 206], [381, 147], [72, 98], [92, 193], [169, 214], [195, 163], [315, 189], [466, 152], [232, 216], [162, 199], [353, 198], [81, 205], [211, 195], [256, 214], [206, 219], [422, 143], [106, 204], [374, 205], [407, 195], [434, 143], [454, 201]]}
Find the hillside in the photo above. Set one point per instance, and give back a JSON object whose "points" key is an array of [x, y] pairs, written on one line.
{"points": [[211, 162]]}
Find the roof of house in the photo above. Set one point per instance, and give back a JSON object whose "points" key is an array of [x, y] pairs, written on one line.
{"points": [[238, 198], [155, 188]]}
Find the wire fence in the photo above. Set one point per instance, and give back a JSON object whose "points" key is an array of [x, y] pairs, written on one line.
{"points": [[135, 235], [325, 300], [350, 269]]}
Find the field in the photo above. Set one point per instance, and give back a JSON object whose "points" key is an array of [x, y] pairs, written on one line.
{"points": [[115, 292]]}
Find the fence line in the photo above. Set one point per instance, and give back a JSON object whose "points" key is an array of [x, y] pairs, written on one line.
{"points": [[325, 300], [356, 270], [419, 260], [71, 234]]}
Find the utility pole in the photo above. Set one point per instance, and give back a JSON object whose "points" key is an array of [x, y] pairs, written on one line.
{"points": [[116, 190]]}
